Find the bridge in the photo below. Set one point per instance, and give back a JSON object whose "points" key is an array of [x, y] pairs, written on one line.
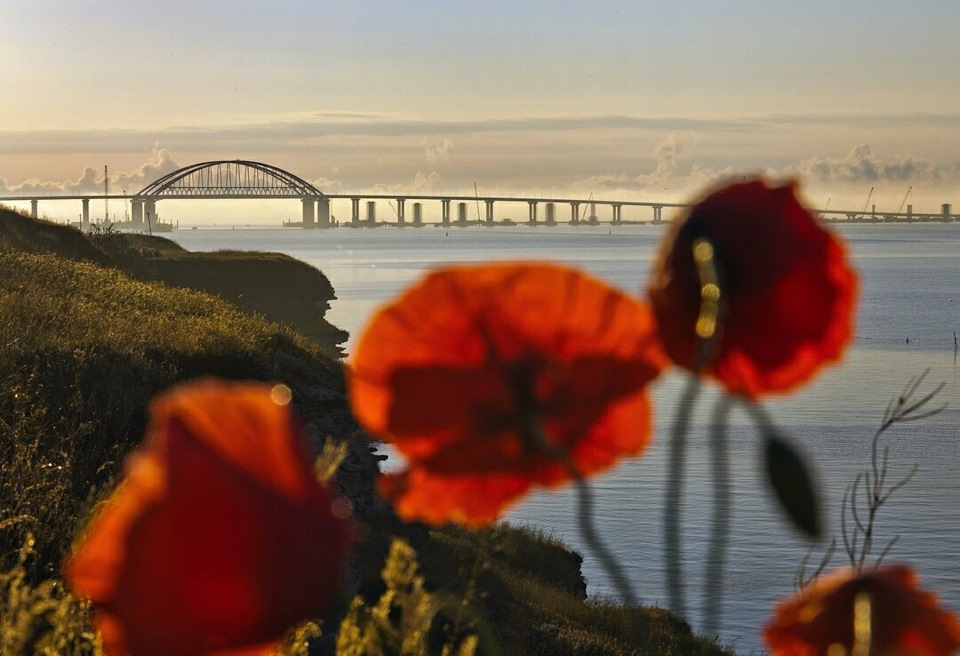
{"points": [[244, 179]]}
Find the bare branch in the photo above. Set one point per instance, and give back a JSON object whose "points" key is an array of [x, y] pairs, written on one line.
{"points": [[843, 527], [858, 535], [886, 550], [906, 479]]}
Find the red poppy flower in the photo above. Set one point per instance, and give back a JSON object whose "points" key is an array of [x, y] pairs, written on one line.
{"points": [[463, 368], [898, 618], [219, 537], [787, 292]]}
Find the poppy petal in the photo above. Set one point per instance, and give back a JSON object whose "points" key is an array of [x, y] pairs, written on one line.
{"points": [[205, 548], [474, 500], [787, 290], [457, 372], [905, 619]]}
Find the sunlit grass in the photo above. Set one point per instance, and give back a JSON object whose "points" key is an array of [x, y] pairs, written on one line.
{"points": [[85, 347]]}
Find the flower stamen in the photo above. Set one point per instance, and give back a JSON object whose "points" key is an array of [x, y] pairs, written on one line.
{"points": [[709, 288]]}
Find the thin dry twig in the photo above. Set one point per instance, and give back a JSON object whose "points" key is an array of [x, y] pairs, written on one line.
{"points": [[858, 537]]}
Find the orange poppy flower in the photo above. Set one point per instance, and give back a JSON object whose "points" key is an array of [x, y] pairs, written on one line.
{"points": [[219, 537], [895, 617], [471, 369], [787, 292]]}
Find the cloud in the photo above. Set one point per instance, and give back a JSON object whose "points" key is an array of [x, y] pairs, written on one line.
{"points": [[861, 165], [87, 182], [859, 119], [668, 165], [678, 170], [303, 133], [423, 183], [159, 164], [439, 152], [667, 154], [328, 185]]}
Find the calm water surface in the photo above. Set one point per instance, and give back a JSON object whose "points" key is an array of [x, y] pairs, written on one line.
{"points": [[909, 310]]}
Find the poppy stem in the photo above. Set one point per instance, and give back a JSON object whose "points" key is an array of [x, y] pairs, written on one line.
{"points": [[590, 535], [705, 329], [674, 497], [588, 531], [720, 530]]}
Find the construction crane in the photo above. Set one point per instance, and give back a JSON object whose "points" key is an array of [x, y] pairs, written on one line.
{"points": [[476, 194], [866, 203], [905, 197], [583, 214]]}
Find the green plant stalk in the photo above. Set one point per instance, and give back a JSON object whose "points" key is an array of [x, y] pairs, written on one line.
{"points": [[673, 502], [706, 331], [588, 531], [720, 529]]}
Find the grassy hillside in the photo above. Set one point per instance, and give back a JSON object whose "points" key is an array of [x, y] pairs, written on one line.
{"points": [[86, 339], [31, 236], [84, 348]]}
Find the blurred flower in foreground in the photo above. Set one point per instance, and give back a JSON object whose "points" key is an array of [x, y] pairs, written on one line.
{"points": [[478, 372], [878, 613], [219, 537], [786, 290]]}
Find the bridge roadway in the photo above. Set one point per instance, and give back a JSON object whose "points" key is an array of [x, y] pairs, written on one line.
{"points": [[146, 206], [398, 203], [243, 179]]}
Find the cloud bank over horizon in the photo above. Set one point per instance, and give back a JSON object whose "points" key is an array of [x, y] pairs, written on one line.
{"points": [[613, 156]]}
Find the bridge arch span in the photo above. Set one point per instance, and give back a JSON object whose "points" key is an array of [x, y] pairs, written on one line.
{"points": [[226, 179], [230, 179]]}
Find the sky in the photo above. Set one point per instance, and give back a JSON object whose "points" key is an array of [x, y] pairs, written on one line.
{"points": [[632, 100]]}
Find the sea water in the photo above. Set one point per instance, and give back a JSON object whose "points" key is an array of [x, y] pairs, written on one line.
{"points": [[908, 311]]}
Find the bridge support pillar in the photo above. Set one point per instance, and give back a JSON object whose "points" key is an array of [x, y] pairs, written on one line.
{"points": [[658, 213], [136, 212], [461, 214], [616, 212], [401, 218], [445, 211], [323, 212], [33, 208], [532, 211], [574, 212], [489, 217], [551, 214], [308, 208], [150, 212], [417, 214], [355, 212], [85, 214]]}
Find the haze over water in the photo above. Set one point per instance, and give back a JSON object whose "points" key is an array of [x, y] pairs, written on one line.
{"points": [[909, 291]]}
